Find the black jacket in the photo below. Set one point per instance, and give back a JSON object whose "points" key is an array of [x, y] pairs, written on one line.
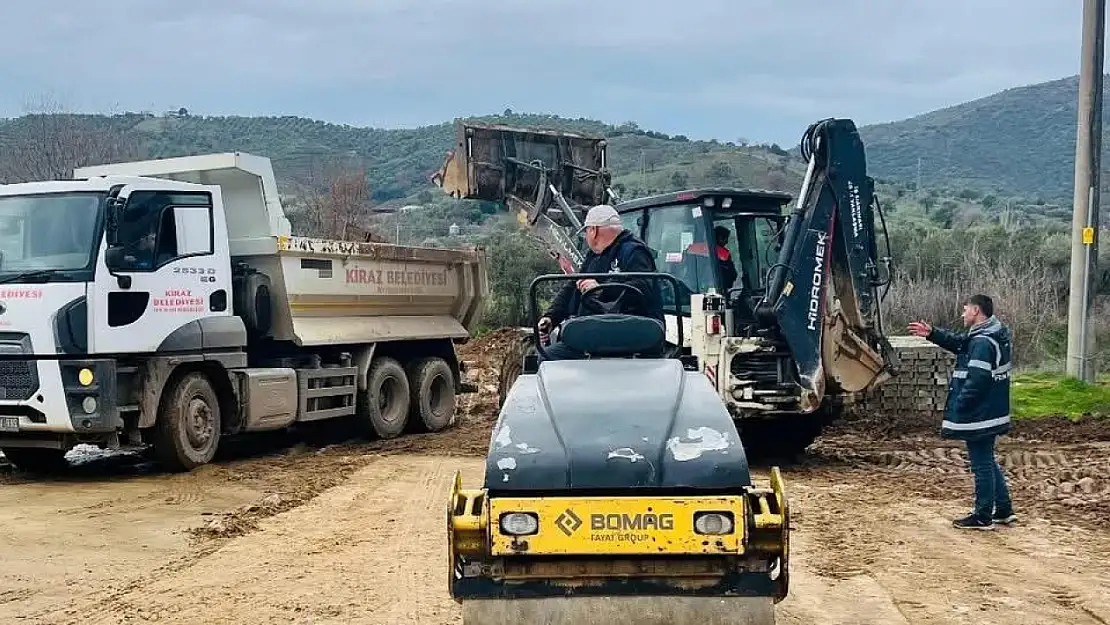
{"points": [[626, 253]]}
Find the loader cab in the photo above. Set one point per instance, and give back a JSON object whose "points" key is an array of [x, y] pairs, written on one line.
{"points": [[720, 238]]}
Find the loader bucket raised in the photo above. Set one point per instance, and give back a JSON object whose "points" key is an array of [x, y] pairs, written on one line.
{"points": [[503, 164]]}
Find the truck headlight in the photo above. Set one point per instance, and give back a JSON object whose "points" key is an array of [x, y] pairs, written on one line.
{"points": [[715, 523], [519, 523]]}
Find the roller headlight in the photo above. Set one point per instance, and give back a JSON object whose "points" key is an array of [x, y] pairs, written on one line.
{"points": [[519, 523], [713, 523]]}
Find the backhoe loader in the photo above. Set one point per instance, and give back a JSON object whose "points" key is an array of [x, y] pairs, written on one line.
{"points": [[788, 337]]}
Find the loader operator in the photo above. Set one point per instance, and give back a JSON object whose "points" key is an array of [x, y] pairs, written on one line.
{"points": [[613, 249], [724, 257]]}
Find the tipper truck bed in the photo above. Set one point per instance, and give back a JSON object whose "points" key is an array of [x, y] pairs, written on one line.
{"points": [[165, 302]]}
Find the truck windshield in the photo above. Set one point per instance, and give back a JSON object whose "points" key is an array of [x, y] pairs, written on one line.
{"points": [[51, 235]]}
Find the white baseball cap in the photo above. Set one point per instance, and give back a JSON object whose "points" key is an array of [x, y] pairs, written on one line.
{"points": [[601, 215]]}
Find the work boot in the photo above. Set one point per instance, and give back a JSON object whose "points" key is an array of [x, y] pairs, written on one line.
{"points": [[972, 522]]}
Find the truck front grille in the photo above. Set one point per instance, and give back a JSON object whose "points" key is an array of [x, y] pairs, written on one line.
{"points": [[19, 379]]}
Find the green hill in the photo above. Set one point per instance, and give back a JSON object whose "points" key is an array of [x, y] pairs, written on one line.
{"points": [[1020, 141], [398, 161], [965, 229], [1016, 144]]}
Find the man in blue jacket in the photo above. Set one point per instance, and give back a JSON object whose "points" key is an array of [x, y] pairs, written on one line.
{"points": [[612, 249], [978, 407]]}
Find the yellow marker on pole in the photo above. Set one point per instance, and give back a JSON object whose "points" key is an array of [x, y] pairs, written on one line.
{"points": [[1088, 236]]}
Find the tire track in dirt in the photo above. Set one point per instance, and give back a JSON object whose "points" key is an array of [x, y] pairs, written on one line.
{"points": [[861, 531], [370, 550], [1065, 482]]}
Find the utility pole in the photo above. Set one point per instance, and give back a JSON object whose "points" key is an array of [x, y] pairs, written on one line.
{"points": [[1088, 153]]}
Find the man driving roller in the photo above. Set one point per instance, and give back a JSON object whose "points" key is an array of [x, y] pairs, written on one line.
{"points": [[613, 249]]}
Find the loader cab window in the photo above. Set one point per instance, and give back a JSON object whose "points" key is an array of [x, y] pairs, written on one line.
{"points": [[634, 222], [764, 235], [725, 237], [149, 231], [753, 244], [677, 234]]}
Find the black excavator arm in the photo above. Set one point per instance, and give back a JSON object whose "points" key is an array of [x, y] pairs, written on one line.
{"points": [[823, 291]]}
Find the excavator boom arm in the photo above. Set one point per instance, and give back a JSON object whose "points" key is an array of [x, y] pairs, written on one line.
{"points": [[823, 290]]}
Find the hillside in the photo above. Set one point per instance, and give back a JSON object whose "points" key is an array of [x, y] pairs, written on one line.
{"points": [[1020, 141], [945, 238], [399, 161], [983, 146]]}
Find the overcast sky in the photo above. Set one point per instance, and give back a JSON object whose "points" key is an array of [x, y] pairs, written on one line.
{"points": [[759, 69]]}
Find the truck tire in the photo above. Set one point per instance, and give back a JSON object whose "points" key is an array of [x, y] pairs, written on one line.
{"points": [[385, 404], [433, 394], [36, 459], [187, 433]]}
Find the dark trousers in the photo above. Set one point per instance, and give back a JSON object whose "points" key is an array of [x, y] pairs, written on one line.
{"points": [[992, 495], [558, 351]]}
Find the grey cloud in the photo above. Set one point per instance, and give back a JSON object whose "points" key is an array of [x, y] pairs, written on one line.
{"points": [[719, 68]]}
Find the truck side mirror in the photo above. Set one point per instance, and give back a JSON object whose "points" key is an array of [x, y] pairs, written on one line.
{"points": [[111, 231], [114, 257], [114, 260]]}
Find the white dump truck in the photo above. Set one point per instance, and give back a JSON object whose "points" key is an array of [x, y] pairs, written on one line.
{"points": [[166, 303]]}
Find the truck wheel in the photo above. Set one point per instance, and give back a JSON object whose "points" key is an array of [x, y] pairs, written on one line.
{"points": [[386, 400], [433, 394], [188, 429], [36, 459]]}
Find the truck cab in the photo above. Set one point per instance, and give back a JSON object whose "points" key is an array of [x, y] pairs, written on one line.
{"points": [[165, 302]]}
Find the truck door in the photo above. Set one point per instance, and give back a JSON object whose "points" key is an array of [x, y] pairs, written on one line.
{"points": [[170, 266]]}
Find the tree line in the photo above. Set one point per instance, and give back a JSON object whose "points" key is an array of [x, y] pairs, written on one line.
{"points": [[946, 243]]}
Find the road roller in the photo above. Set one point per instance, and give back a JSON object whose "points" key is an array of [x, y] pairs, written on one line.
{"points": [[616, 486]]}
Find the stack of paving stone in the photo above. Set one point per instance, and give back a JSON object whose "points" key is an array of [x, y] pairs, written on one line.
{"points": [[921, 387]]}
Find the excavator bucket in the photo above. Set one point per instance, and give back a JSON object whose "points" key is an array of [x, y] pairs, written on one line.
{"points": [[546, 178], [524, 168]]}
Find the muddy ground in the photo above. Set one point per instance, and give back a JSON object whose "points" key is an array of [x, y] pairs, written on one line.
{"points": [[320, 529]]}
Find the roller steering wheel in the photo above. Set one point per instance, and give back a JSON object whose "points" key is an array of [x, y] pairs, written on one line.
{"points": [[598, 307]]}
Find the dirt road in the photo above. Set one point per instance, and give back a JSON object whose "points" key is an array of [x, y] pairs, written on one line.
{"points": [[353, 533], [327, 531]]}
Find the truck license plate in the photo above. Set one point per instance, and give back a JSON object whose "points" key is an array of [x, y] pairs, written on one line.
{"points": [[9, 424]]}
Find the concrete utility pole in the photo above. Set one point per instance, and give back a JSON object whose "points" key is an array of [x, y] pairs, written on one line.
{"points": [[1088, 153]]}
